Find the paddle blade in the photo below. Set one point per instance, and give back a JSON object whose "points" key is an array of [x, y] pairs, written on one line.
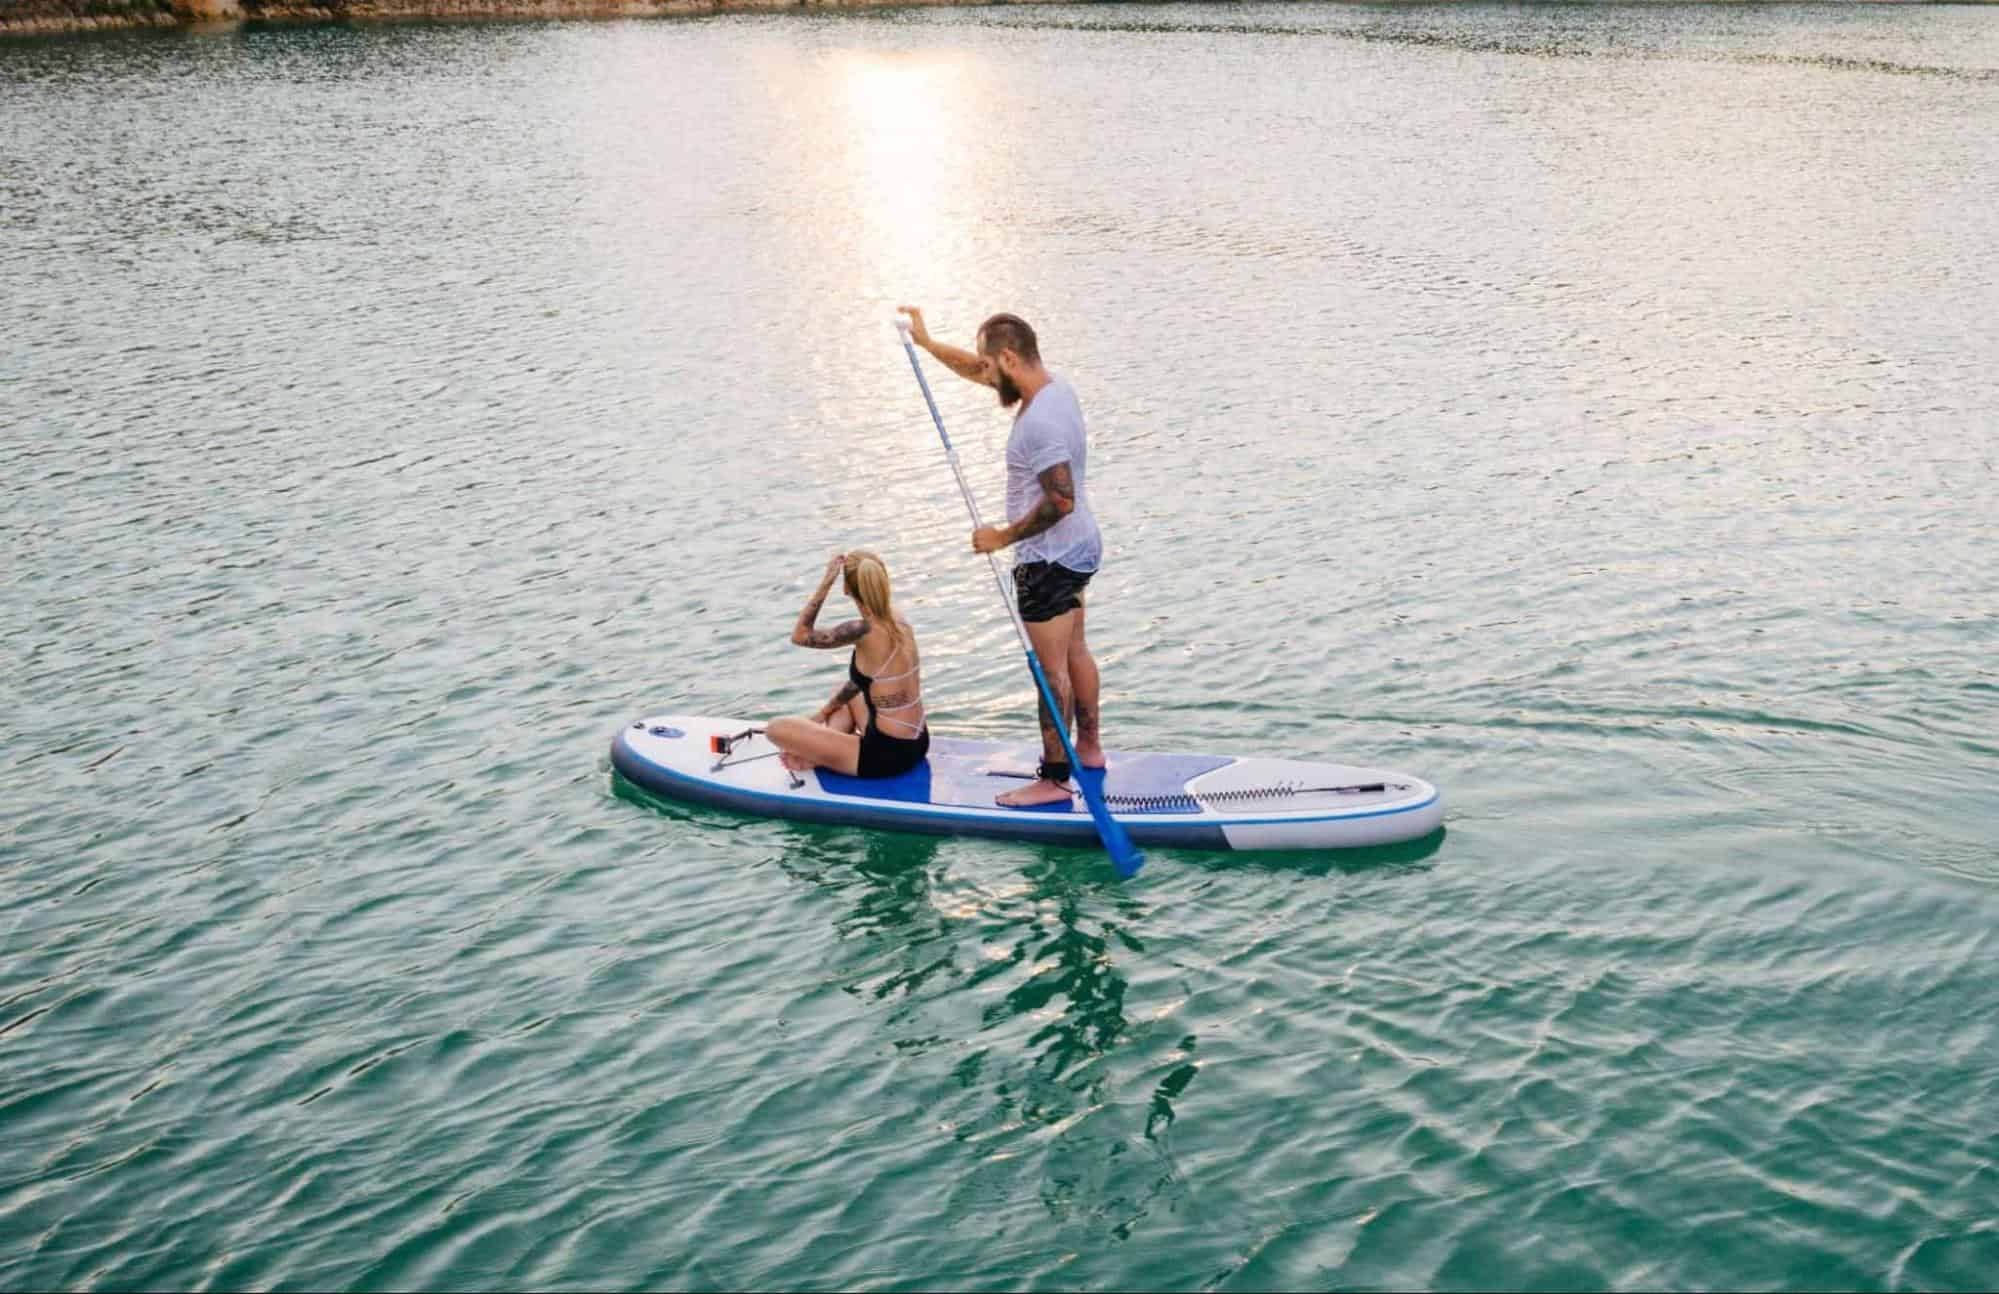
{"points": [[1125, 855]]}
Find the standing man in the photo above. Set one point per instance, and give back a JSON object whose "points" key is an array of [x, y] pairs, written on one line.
{"points": [[1059, 547]]}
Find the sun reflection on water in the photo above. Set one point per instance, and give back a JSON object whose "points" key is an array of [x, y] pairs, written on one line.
{"points": [[912, 186]]}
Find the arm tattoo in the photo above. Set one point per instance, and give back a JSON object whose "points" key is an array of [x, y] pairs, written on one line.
{"points": [[1057, 483], [968, 366], [965, 363], [808, 615], [805, 635], [1058, 500], [838, 636], [846, 693]]}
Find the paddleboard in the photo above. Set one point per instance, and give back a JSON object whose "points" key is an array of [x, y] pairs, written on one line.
{"points": [[1164, 800]]}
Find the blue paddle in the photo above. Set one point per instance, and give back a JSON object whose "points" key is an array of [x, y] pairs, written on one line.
{"points": [[1117, 842]]}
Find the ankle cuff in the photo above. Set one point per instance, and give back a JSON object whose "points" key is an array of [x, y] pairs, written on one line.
{"points": [[1054, 770]]}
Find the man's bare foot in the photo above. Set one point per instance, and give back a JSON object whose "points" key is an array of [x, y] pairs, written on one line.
{"points": [[1039, 791], [1090, 755]]}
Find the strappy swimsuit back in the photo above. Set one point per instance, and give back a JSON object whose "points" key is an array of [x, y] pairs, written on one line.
{"points": [[883, 755], [866, 684]]}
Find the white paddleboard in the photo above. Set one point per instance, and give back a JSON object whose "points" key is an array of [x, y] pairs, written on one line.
{"points": [[1188, 801]]}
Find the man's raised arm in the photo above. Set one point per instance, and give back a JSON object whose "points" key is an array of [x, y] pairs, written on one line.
{"points": [[964, 363]]}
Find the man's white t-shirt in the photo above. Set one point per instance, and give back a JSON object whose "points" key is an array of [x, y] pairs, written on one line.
{"points": [[1050, 431]]}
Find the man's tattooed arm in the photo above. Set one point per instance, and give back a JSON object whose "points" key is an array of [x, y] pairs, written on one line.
{"points": [[1058, 500]]}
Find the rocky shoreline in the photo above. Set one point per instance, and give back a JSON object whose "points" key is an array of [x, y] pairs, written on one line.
{"points": [[50, 17]]}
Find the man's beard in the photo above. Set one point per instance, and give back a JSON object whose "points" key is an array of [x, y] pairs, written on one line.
{"points": [[1009, 394]]}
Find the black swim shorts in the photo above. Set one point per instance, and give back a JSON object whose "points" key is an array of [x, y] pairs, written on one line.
{"points": [[1045, 590]]}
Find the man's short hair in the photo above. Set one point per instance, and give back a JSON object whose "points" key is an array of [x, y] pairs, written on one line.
{"points": [[1009, 332]]}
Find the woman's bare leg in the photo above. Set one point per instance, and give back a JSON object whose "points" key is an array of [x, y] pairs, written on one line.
{"points": [[807, 744]]}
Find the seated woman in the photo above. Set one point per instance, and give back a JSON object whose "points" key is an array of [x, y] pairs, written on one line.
{"points": [[873, 726]]}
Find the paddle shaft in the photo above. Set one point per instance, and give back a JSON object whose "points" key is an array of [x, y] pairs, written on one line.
{"points": [[1117, 841], [972, 506]]}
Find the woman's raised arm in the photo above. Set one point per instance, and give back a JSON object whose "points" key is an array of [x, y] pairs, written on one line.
{"points": [[803, 632]]}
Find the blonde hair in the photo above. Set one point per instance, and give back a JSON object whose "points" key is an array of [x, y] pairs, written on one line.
{"points": [[867, 584]]}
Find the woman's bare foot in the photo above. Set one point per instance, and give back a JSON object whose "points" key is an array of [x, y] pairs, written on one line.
{"points": [[793, 762], [1040, 791]]}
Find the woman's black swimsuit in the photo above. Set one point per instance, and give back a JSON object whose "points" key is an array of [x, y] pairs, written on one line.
{"points": [[881, 754]]}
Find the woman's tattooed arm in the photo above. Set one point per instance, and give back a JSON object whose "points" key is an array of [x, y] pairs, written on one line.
{"points": [[805, 635], [846, 693]]}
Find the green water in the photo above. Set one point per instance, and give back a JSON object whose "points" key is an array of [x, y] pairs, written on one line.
{"points": [[1590, 409]]}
